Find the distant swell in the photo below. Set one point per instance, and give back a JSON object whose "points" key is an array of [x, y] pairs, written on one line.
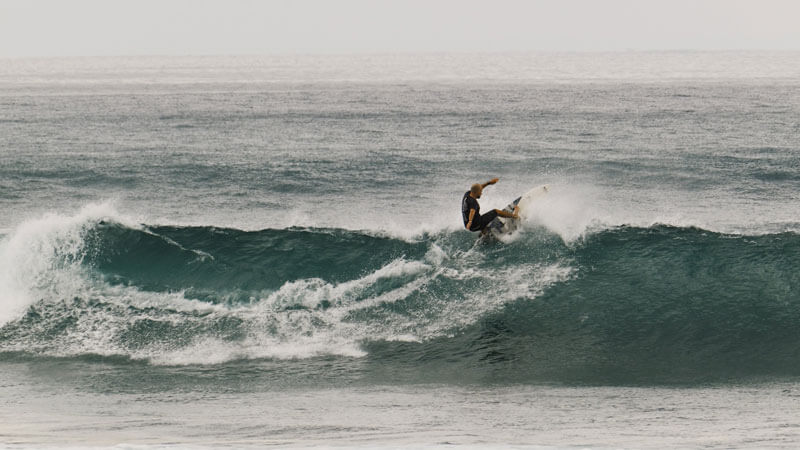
{"points": [[622, 305]]}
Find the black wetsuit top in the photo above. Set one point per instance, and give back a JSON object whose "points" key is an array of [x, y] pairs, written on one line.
{"points": [[479, 222], [468, 203]]}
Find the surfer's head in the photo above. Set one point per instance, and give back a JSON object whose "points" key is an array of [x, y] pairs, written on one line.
{"points": [[476, 190]]}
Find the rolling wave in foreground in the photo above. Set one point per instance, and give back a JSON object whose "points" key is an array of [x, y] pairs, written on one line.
{"points": [[619, 304]]}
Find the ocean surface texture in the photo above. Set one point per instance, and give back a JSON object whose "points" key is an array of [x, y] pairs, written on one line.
{"points": [[250, 251]]}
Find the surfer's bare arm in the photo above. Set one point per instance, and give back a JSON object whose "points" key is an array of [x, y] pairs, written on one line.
{"points": [[492, 181], [471, 216]]}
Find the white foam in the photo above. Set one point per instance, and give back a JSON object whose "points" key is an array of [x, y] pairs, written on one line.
{"points": [[568, 213], [502, 286], [311, 292], [43, 255], [309, 332], [210, 350]]}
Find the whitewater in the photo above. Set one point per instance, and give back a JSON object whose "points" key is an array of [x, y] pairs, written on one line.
{"points": [[249, 251]]}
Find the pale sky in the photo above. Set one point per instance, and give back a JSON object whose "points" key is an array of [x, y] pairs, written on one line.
{"points": [[214, 27]]}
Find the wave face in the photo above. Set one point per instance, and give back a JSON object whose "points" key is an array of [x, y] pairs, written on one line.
{"points": [[619, 305], [659, 304], [229, 265]]}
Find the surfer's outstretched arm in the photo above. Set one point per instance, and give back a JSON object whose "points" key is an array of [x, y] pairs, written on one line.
{"points": [[492, 181]]}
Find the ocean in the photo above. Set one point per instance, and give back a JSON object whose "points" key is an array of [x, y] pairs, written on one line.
{"points": [[206, 252]]}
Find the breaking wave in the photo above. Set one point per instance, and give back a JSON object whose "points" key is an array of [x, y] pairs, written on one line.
{"points": [[619, 304]]}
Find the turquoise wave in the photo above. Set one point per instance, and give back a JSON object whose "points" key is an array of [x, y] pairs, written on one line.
{"points": [[622, 305], [212, 263], [660, 304]]}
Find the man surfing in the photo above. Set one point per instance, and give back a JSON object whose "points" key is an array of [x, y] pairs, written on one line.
{"points": [[471, 210]]}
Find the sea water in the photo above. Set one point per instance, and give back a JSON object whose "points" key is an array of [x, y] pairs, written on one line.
{"points": [[251, 251]]}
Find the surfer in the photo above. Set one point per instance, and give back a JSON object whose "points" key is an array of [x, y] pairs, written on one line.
{"points": [[471, 210]]}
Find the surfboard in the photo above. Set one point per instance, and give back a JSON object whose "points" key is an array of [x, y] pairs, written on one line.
{"points": [[501, 225]]}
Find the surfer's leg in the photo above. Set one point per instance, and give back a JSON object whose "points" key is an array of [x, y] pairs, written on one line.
{"points": [[487, 218], [505, 213]]}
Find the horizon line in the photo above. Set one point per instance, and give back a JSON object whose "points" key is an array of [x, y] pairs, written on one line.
{"points": [[401, 53]]}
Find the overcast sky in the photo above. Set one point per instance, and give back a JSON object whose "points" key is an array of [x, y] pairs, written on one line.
{"points": [[200, 27]]}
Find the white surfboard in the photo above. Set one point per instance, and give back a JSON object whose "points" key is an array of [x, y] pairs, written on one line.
{"points": [[525, 204]]}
